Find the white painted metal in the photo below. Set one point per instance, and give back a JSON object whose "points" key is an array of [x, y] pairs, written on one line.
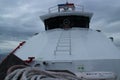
{"points": [[77, 13], [78, 50], [85, 44], [82, 47]]}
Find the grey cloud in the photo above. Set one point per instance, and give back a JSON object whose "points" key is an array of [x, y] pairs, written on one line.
{"points": [[114, 16], [19, 19], [106, 14]]}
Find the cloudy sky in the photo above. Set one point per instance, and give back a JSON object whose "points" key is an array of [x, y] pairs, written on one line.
{"points": [[19, 19]]}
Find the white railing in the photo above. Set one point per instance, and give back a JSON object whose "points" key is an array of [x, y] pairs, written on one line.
{"points": [[56, 9]]}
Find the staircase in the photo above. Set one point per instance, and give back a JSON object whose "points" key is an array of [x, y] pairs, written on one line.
{"points": [[64, 44]]}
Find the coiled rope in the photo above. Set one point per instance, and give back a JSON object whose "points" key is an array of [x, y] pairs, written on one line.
{"points": [[19, 72]]}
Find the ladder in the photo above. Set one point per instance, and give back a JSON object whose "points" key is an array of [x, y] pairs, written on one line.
{"points": [[64, 44]]}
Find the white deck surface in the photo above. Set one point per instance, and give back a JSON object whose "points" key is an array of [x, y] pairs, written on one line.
{"points": [[83, 44]]}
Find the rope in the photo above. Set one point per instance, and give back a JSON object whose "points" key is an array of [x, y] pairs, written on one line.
{"points": [[34, 73]]}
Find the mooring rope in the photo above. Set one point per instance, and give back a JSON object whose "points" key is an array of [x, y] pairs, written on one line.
{"points": [[34, 73]]}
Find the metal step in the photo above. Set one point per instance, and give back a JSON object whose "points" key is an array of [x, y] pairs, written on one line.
{"points": [[64, 44]]}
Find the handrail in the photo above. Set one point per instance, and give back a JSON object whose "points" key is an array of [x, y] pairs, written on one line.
{"points": [[20, 44], [56, 9]]}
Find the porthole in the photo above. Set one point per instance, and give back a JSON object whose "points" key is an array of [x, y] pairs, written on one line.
{"points": [[66, 21]]}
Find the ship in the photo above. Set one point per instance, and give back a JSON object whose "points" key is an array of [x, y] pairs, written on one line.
{"points": [[68, 49]]}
